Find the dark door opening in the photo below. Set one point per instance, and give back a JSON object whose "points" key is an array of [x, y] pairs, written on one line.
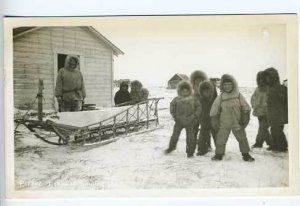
{"points": [[61, 61]]}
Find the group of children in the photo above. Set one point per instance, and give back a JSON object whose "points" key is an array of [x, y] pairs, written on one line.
{"points": [[197, 104], [270, 105], [137, 93]]}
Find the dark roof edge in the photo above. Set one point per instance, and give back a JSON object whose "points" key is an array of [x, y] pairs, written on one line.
{"points": [[115, 49]]}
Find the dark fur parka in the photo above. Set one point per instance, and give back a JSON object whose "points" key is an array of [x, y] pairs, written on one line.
{"points": [[185, 110], [277, 100], [206, 102]]}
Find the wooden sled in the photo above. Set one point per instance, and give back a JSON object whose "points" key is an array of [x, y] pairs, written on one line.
{"points": [[97, 131]]}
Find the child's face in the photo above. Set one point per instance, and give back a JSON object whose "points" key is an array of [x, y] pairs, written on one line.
{"points": [[206, 93], [185, 92], [228, 87], [124, 88]]}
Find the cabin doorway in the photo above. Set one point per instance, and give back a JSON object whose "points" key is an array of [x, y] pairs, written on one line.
{"points": [[59, 62]]}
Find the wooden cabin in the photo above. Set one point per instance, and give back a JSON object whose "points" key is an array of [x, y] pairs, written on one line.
{"points": [[174, 81], [39, 52]]}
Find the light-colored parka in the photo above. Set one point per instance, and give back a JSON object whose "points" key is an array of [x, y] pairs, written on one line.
{"points": [[228, 107], [69, 83], [259, 98]]}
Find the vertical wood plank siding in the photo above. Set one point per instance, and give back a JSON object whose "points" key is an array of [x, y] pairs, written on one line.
{"points": [[34, 58]]}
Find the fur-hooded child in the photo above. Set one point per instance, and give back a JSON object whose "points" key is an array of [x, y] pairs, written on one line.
{"points": [[137, 92], [122, 96], [185, 110], [207, 94], [230, 110], [259, 97], [277, 102], [196, 78]]}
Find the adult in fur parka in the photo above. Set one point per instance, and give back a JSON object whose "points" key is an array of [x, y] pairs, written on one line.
{"points": [[69, 88]]}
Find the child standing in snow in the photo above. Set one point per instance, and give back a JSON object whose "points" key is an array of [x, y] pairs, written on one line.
{"points": [[259, 105], [207, 93], [185, 110], [230, 112], [196, 78], [277, 109]]}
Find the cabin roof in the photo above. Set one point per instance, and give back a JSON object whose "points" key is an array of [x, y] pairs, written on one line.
{"points": [[19, 31], [181, 76]]}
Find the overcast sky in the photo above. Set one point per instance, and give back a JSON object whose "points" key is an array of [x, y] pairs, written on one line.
{"points": [[158, 47]]}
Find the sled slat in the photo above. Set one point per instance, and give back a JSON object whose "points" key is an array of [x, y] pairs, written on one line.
{"points": [[147, 114]]}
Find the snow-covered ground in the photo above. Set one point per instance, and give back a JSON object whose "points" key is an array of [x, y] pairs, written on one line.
{"points": [[138, 162]]}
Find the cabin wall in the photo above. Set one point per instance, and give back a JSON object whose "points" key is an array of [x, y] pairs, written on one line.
{"points": [[35, 57], [173, 84]]}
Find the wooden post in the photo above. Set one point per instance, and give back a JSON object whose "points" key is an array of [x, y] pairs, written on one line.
{"points": [[40, 100]]}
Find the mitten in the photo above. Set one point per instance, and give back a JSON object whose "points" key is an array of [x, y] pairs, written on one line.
{"points": [[245, 118]]}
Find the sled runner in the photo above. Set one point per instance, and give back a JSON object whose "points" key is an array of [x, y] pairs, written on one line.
{"points": [[97, 126]]}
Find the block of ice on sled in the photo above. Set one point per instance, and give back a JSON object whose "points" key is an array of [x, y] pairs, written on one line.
{"points": [[105, 115], [85, 118]]}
